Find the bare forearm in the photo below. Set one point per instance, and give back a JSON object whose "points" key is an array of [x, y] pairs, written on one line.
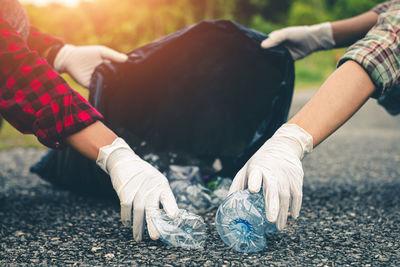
{"points": [[347, 31], [89, 140], [342, 94]]}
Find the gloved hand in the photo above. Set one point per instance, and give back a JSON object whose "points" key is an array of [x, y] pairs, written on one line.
{"points": [[276, 166], [137, 184], [80, 61], [302, 40]]}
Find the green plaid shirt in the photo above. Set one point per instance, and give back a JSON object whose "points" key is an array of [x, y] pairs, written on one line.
{"points": [[379, 51]]}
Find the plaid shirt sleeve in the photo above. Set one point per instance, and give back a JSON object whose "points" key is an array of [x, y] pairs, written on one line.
{"points": [[383, 7], [47, 45], [379, 51], [34, 98]]}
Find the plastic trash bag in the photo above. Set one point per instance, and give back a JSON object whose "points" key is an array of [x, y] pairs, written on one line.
{"points": [[206, 92], [390, 100]]}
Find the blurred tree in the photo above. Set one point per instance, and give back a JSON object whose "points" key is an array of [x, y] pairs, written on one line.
{"points": [[306, 12], [262, 25], [341, 9], [126, 24], [274, 11]]}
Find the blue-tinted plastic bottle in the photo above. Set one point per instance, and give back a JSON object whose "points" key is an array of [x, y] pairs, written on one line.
{"points": [[241, 222]]}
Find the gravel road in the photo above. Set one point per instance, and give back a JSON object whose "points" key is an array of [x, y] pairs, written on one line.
{"points": [[350, 214]]}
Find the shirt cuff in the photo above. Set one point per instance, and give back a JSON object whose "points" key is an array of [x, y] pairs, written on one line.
{"points": [[383, 7], [63, 117], [378, 53], [378, 9], [51, 56]]}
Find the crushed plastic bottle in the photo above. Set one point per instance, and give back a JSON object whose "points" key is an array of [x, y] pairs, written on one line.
{"points": [[186, 184], [190, 192], [220, 191], [187, 230], [241, 222]]}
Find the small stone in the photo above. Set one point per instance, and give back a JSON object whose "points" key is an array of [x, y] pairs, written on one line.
{"points": [[95, 249], [173, 256], [208, 263], [109, 256], [383, 258]]}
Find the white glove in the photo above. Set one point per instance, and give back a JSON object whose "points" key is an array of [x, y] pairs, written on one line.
{"points": [[302, 40], [80, 61], [277, 168], [137, 184]]}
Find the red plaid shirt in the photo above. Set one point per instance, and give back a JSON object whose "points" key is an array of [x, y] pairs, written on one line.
{"points": [[33, 97]]}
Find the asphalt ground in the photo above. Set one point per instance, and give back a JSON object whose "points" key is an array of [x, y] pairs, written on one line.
{"points": [[350, 214]]}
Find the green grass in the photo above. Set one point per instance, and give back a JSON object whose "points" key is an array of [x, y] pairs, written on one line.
{"points": [[313, 70], [10, 137]]}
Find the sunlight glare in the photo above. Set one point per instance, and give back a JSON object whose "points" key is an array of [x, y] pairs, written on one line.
{"points": [[70, 3]]}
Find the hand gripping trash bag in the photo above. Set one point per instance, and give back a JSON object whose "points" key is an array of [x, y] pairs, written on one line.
{"points": [[206, 92]]}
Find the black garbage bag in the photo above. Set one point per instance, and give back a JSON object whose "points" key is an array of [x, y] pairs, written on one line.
{"points": [[203, 93], [390, 100]]}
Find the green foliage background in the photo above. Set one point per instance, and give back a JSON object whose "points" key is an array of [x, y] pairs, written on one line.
{"points": [[127, 24]]}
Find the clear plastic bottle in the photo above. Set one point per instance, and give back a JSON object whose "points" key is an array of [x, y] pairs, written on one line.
{"points": [[241, 222], [220, 190], [187, 230], [190, 191]]}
